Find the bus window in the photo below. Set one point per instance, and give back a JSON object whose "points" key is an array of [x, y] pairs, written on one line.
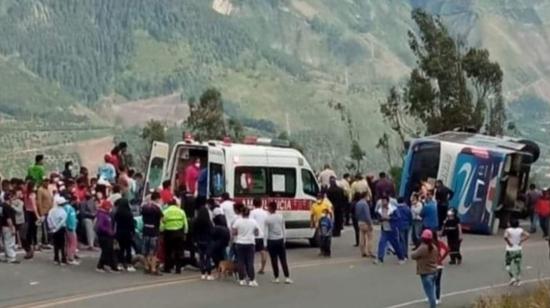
{"points": [[283, 182], [310, 185], [217, 183], [250, 181]]}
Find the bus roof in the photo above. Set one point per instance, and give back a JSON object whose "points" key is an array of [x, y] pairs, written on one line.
{"points": [[496, 144]]}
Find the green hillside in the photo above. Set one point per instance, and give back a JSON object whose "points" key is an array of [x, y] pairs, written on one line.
{"points": [[279, 61]]}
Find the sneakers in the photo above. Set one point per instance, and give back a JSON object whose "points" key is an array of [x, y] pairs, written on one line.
{"points": [[253, 284], [203, 277], [276, 280], [100, 270], [438, 302], [512, 282], [401, 262], [289, 281], [261, 272], [242, 283], [130, 269], [73, 262], [209, 278]]}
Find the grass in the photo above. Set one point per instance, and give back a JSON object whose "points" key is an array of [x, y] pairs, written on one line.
{"points": [[539, 297]]}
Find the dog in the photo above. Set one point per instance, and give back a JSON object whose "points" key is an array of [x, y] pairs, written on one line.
{"points": [[226, 269]]}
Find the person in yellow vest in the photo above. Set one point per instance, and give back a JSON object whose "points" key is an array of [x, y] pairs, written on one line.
{"points": [[317, 208], [175, 227]]}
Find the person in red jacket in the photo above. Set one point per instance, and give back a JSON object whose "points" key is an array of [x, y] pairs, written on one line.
{"points": [[542, 209]]}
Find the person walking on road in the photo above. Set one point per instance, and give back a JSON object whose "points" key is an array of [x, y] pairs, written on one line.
{"points": [[151, 215], [337, 197], [442, 196], [260, 215], [429, 213], [416, 209], [57, 224], [125, 230], [71, 241], [7, 223], [443, 253], [453, 230], [514, 237], [531, 198], [389, 232], [175, 228], [364, 222], [426, 256], [105, 235], [202, 234], [275, 234], [404, 225], [354, 222], [245, 230], [542, 209]]}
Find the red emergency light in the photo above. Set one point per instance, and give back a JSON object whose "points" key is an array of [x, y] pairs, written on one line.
{"points": [[250, 140]]}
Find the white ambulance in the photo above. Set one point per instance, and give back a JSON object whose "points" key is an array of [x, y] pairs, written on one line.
{"points": [[258, 168]]}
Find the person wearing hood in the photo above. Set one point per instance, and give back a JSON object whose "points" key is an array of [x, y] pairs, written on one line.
{"points": [[57, 224], [389, 231], [105, 234]]}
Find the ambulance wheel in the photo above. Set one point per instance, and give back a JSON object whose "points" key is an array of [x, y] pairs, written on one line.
{"points": [[313, 242]]}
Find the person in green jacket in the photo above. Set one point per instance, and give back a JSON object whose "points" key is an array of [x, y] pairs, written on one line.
{"points": [[174, 224], [36, 172]]}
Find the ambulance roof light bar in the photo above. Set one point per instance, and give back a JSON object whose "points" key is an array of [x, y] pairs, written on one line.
{"points": [[253, 140]]}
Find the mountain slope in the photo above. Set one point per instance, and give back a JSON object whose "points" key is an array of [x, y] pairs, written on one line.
{"points": [[282, 61]]}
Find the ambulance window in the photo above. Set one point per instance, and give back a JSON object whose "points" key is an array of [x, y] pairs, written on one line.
{"points": [[283, 182], [310, 185], [217, 183], [250, 181]]}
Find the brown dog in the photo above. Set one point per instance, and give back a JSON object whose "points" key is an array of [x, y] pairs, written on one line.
{"points": [[227, 269]]}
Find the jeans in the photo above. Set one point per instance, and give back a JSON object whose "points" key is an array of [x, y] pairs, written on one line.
{"points": [[89, 229], [204, 257], [277, 252], [355, 230], [428, 283], [125, 249], [416, 232], [107, 252], [8, 239], [438, 275], [393, 238], [324, 245], [32, 232], [245, 260], [70, 244], [59, 246], [404, 241], [533, 218], [543, 221], [513, 263]]}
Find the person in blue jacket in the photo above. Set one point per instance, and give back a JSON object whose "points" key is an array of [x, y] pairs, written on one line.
{"points": [[429, 212], [404, 225], [389, 230]]}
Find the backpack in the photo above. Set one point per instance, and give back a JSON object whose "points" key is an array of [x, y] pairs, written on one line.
{"points": [[325, 226]]}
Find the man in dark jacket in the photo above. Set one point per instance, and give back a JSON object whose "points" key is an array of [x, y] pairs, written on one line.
{"points": [[442, 196], [337, 197]]}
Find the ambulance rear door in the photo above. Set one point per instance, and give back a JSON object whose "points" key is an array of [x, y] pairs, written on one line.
{"points": [[156, 168], [216, 171]]}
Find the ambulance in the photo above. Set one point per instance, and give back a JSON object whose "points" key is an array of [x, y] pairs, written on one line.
{"points": [[258, 168]]}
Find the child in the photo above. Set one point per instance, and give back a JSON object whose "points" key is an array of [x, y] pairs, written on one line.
{"points": [[325, 233], [453, 231], [514, 237]]}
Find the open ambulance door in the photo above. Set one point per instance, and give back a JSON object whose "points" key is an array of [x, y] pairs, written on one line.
{"points": [[216, 172], [156, 168]]}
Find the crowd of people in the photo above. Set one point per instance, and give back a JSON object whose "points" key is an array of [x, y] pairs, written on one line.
{"points": [[70, 213], [73, 211]]}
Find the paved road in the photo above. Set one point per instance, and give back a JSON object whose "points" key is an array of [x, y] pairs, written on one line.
{"points": [[344, 279]]}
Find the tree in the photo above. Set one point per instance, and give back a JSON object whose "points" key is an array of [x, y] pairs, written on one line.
{"points": [[384, 145], [357, 154], [206, 118], [236, 129], [438, 92]]}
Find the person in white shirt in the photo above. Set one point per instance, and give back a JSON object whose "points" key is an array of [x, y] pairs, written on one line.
{"points": [[514, 238], [325, 175], [260, 215], [275, 234], [245, 230], [416, 209], [227, 207], [57, 218]]}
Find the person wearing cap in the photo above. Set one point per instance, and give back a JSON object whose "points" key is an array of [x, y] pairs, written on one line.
{"points": [[57, 220], [427, 256]]}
